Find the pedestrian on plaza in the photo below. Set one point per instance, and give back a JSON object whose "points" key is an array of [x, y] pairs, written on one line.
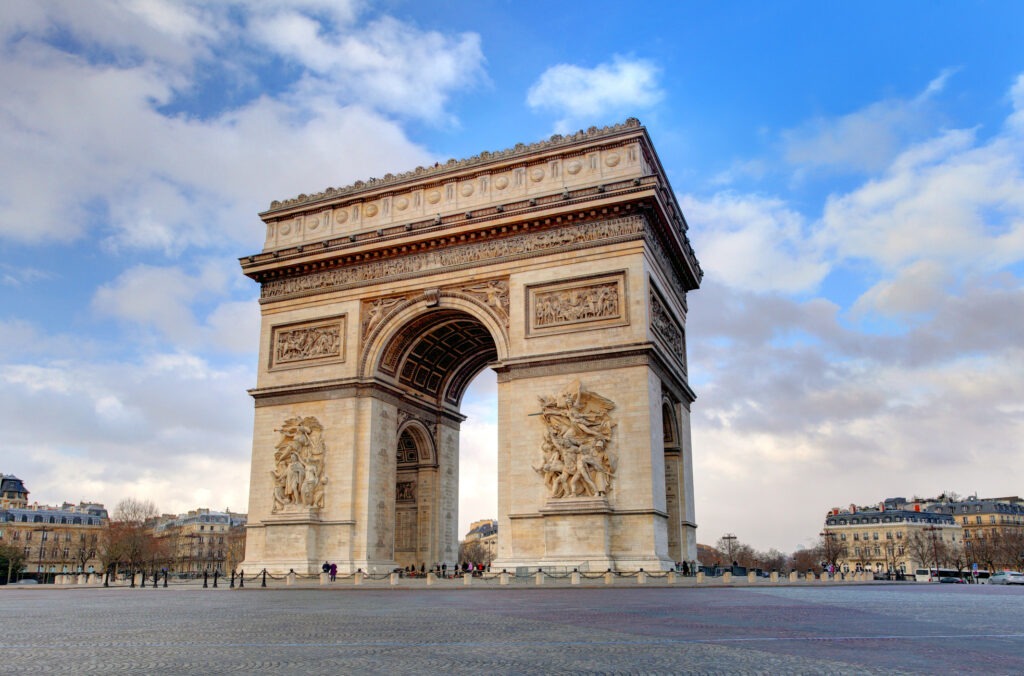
{"points": [[444, 570], [326, 567], [333, 568], [686, 569]]}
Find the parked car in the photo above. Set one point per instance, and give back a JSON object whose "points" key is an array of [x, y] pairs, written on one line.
{"points": [[27, 580], [1006, 577], [952, 580]]}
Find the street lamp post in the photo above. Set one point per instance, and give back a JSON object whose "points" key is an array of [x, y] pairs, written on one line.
{"points": [[730, 540]]}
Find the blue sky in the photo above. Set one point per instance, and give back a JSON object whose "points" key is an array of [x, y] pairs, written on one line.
{"points": [[852, 173]]}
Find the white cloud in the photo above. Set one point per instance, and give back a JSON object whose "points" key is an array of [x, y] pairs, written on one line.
{"points": [[478, 457], [948, 199], [89, 144], [623, 85], [793, 403], [387, 65], [866, 139], [916, 290], [166, 299], [754, 242]]}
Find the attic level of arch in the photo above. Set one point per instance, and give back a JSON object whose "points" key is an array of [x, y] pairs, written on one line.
{"points": [[669, 216]]}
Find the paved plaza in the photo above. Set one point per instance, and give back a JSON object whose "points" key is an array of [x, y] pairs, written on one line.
{"points": [[408, 629]]}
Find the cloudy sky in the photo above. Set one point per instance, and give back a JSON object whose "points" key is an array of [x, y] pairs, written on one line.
{"points": [[852, 173]]}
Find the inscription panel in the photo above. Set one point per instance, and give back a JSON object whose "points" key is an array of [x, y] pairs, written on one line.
{"points": [[577, 304], [308, 343]]}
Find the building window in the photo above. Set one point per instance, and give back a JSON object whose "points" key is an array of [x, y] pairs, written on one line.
{"points": [[874, 536]]}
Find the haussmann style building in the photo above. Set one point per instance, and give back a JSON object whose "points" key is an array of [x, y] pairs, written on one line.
{"points": [[54, 540]]}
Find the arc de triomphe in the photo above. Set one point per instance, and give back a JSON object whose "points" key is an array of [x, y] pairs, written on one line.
{"points": [[564, 266]]}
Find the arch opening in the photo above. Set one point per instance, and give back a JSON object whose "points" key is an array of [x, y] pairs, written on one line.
{"points": [[433, 358], [439, 353]]}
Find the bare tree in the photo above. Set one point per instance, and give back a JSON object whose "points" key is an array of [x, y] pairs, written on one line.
{"points": [[127, 543], [807, 559], [831, 548], [474, 551], [773, 559]]}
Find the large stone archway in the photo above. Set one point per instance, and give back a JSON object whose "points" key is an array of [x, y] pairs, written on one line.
{"points": [[564, 266]]}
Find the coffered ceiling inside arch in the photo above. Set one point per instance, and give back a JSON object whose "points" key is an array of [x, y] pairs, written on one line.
{"points": [[441, 354]]}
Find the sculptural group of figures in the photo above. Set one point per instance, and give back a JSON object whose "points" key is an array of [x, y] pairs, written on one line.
{"points": [[322, 341], [578, 460], [299, 464], [577, 304]]}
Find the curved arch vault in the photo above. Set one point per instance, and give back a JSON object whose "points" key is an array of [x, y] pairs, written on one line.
{"points": [[564, 266]]}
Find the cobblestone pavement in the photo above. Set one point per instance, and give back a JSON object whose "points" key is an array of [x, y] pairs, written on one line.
{"points": [[896, 628]]}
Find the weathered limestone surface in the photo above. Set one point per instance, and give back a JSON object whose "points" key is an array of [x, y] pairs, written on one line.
{"points": [[564, 266]]}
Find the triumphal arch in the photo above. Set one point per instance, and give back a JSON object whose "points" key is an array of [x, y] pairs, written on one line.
{"points": [[564, 266]]}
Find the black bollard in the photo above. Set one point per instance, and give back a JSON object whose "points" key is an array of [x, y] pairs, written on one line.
{"points": [[232, 579], [264, 584], [216, 573], [106, 578], [241, 579], [132, 585], [165, 578], [205, 576], [156, 579]]}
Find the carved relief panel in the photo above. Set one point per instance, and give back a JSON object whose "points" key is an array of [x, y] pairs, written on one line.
{"points": [[308, 343], [577, 304], [578, 458], [667, 328], [298, 474]]}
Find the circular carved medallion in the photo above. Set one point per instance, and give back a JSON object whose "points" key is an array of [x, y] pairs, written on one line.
{"points": [[371, 210], [340, 216], [611, 159], [537, 175], [466, 189], [434, 196], [286, 228], [312, 223], [501, 182], [574, 167], [401, 204]]}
